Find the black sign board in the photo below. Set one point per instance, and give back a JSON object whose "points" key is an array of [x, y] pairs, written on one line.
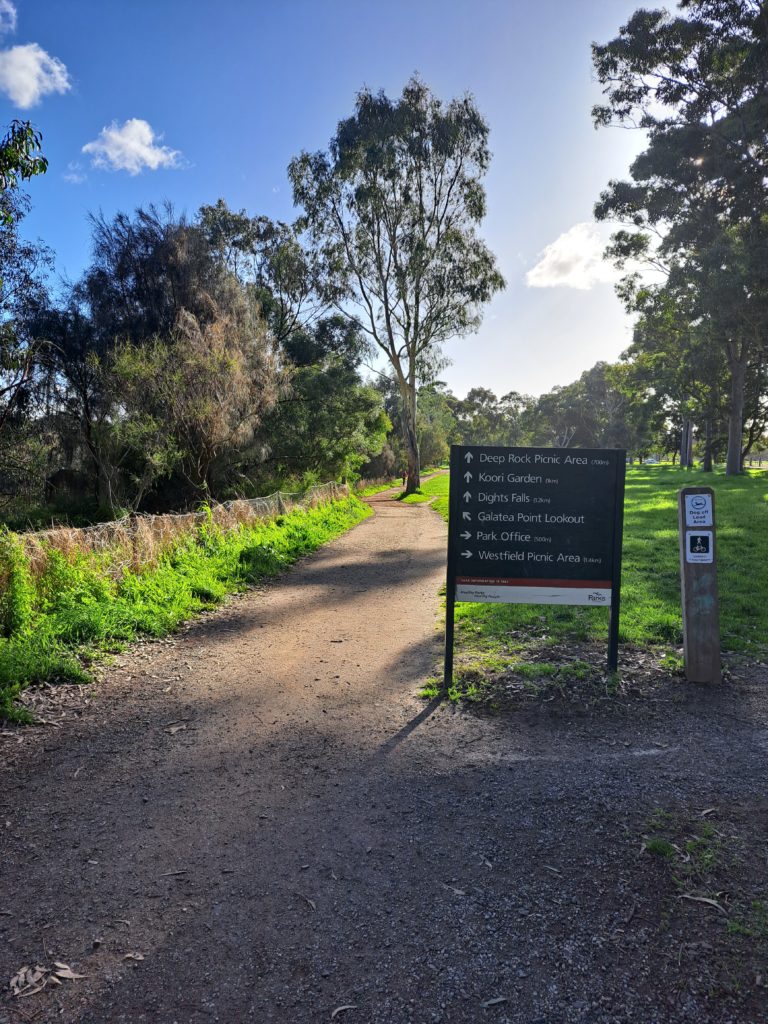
{"points": [[535, 526]]}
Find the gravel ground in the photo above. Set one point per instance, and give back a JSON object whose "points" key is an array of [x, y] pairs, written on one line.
{"points": [[258, 819]]}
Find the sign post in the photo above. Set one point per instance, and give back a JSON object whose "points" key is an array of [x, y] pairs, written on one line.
{"points": [[698, 581], [535, 526]]}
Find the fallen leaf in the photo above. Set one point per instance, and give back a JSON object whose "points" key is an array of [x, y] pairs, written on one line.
{"points": [[169, 874], [341, 1009], [65, 971], [459, 892], [493, 1002], [704, 899], [307, 899], [177, 727], [133, 956]]}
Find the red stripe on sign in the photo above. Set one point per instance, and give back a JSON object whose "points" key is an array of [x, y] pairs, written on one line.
{"points": [[527, 582]]}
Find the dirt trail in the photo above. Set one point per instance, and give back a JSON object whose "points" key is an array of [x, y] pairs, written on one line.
{"points": [[314, 836]]}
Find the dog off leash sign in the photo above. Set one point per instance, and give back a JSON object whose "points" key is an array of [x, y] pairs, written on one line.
{"points": [[698, 578], [535, 526]]}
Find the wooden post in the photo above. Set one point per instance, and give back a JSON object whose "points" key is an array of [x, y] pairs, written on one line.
{"points": [[698, 580]]}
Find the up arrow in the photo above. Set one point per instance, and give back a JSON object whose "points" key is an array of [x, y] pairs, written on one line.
{"points": [[466, 515], [466, 554], [466, 535], [468, 457], [467, 476], [467, 496]]}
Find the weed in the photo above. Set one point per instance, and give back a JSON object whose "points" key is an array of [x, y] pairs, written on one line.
{"points": [[660, 847]]}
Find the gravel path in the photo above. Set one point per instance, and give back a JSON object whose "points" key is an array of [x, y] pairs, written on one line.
{"points": [[260, 820]]}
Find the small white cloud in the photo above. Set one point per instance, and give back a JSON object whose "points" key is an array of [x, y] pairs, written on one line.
{"points": [[7, 17], [27, 73], [130, 147], [75, 175], [574, 260]]}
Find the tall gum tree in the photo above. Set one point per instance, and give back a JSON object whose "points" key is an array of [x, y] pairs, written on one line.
{"points": [[697, 83], [391, 211]]}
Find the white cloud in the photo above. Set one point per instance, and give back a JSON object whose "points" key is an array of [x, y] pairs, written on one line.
{"points": [[130, 147], [27, 73], [574, 260], [7, 17], [75, 175]]}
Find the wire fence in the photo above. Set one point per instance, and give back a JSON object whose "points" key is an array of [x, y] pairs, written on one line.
{"points": [[139, 541]]}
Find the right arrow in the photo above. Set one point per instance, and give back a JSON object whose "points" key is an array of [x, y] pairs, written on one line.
{"points": [[466, 554], [466, 535]]}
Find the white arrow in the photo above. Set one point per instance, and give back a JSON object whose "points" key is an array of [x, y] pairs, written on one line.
{"points": [[467, 496], [466, 554], [467, 476], [466, 535], [468, 457], [466, 515]]}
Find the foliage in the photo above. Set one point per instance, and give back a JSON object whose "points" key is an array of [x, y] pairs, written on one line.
{"points": [[20, 160], [391, 211], [697, 205], [482, 418], [76, 606], [191, 398]]}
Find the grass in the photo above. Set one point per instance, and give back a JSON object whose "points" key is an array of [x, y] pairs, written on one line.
{"points": [[715, 862], [435, 490], [59, 619], [650, 593], [366, 492]]}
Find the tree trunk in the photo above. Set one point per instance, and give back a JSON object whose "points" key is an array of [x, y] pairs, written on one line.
{"points": [[685, 441], [410, 437], [689, 463], [707, 460], [737, 364]]}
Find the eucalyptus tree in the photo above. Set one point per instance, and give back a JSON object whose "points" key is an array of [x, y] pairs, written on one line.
{"points": [[391, 212], [697, 83]]}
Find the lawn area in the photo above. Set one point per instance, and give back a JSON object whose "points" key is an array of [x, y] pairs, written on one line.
{"points": [[490, 634]]}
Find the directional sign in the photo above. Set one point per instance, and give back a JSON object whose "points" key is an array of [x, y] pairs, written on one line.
{"points": [[536, 526]]}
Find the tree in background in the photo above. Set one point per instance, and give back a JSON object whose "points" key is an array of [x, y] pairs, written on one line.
{"points": [[391, 211], [698, 198], [482, 418], [20, 160], [22, 267]]}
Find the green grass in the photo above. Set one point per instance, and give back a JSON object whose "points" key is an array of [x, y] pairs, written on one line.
{"points": [[56, 622], [366, 492], [434, 490], [650, 593]]}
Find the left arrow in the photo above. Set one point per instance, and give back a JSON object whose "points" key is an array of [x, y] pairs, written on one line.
{"points": [[466, 554]]}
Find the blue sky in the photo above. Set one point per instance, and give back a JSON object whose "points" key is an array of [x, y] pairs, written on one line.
{"points": [[192, 100]]}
